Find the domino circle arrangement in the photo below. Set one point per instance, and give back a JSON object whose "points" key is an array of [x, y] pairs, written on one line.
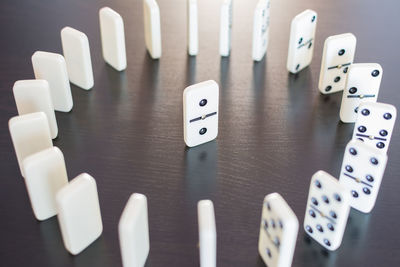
{"points": [[329, 201]]}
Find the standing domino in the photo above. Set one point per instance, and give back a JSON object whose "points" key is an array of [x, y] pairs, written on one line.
{"points": [[52, 68], [133, 231], [45, 174], [362, 172], [30, 133], [363, 82], [76, 51], [327, 210], [207, 233], [34, 96], [193, 31], [261, 29], [200, 113], [374, 124], [225, 31], [301, 43], [79, 213], [152, 28], [278, 232], [338, 55], [112, 38]]}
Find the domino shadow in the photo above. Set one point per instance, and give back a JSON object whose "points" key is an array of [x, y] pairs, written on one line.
{"points": [[191, 70]]}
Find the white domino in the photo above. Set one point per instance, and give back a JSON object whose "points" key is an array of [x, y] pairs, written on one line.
{"points": [[261, 29], [34, 96], [207, 233], [362, 172], [302, 39], [193, 31], [363, 82], [30, 133], [327, 210], [76, 51], [278, 232], [45, 174], [152, 28], [52, 68], [200, 113], [374, 124], [112, 38], [79, 213], [133, 231], [337, 57], [225, 31]]}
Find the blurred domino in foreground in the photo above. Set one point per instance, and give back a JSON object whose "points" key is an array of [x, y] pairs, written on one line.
{"points": [[79, 213], [34, 96], [261, 29], [278, 232], [52, 68], [225, 31], [45, 174], [327, 210], [112, 38], [30, 133], [337, 57], [302, 38], [193, 28], [133, 232], [200, 113], [76, 51], [152, 28], [207, 233]]}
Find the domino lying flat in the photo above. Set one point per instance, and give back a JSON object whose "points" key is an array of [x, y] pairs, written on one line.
{"points": [[278, 232], [30, 133], [200, 113], [76, 51], [327, 210], [261, 29], [375, 124], [34, 96], [207, 233], [193, 32], [45, 174], [225, 31], [301, 42], [152, 28], [112, 38], [363, 82], [52, 68], [338, 55], [362, 172], [133, 232], [79, 213]]}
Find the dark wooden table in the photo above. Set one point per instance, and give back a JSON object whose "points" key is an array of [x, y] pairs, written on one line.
{"points": [[275, 131]]}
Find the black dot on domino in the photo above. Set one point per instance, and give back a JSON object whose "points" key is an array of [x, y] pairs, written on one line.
{"points": [[365, 112], [349, 168], [203, 102], [313, 19], [375, 73], [337, 79], [319, 228], [383, 133], [345, 70], [309, 229], [366, 191], [202, 131], [325, 199], [337, 197], [369, 178], [326, 242], [330, 227], [387, 116], [353, 151], [318, 184], [353, 90], [333, 214], [374, 161], [300, 40], [312, 213], [341, 52], [280, 224], [362, 129], [380, 145], [298, 66], [309, 45], [354, 193], [328, 88], [269, 253]]}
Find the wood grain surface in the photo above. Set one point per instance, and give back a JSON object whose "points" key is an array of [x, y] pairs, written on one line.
{"points": [[275, 131]]}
